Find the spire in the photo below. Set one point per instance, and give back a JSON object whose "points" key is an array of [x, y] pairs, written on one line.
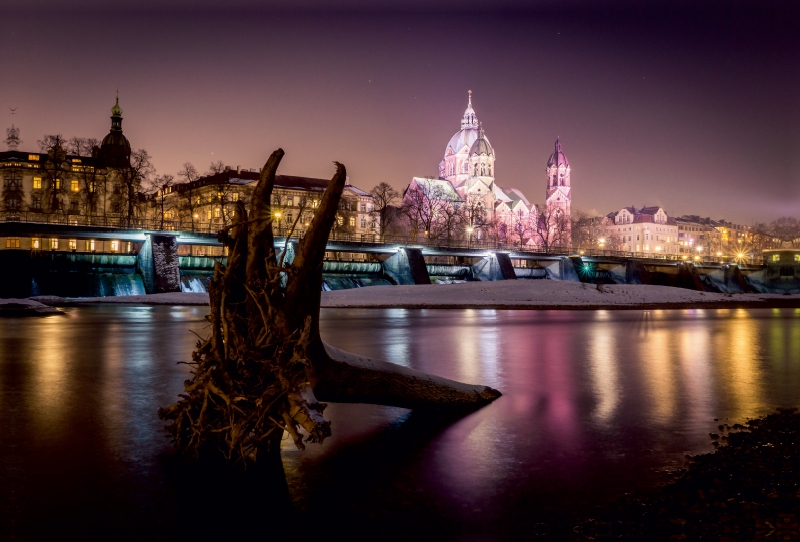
{"points": [[469, 120], [116, 116], [558, 146]]}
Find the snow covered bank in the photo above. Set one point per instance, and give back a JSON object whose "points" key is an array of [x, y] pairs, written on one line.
{"points": [[177, 298], [25, 307], [546, 294], [509, 294]]}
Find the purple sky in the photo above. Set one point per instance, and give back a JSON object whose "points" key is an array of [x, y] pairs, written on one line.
{"points": [[684, 108]]}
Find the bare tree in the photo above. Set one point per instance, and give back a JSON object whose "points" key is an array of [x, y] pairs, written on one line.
{"points": [[131, 178], [451, 220], [552, 227], [55, 170], [345, 220], [190, 200], [215, 167], [521, 226], [759, 238], [91, 179], [585, 228], [162, 186], [787, 230], [385, 197], [423, 204]]}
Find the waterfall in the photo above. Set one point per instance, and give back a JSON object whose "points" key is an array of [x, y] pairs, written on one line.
{"points": [[332, 282], [192, 284]]}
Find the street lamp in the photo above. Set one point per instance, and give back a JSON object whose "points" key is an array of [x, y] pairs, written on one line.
{"points": [[470, 229]]}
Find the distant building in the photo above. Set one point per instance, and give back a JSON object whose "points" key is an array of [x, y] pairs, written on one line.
{"points": [[646, 231], [716, 238], [69, 182], [208, 204], [467, 179]]}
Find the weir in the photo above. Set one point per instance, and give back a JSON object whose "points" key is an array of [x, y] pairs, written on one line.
{"points": [[152, 264]]}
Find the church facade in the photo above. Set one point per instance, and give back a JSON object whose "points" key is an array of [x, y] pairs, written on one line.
{"points": [[467, 180]]}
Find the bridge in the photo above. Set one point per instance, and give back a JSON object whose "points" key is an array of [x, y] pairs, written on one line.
{"points": [[351, 261]]}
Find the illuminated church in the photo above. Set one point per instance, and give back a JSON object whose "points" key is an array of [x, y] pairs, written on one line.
{"points": [[467, 175]]}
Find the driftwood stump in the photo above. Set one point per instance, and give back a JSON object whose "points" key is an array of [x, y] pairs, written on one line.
{"points": [[264, 366]]}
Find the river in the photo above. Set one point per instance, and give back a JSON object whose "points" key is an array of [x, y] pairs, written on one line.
{"points": [[595, 404]]}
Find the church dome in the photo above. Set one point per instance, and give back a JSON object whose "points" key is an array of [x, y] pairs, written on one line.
{"points": [[481, 146], [469, 132], [462, 138], [558, 158], [115, 139]]}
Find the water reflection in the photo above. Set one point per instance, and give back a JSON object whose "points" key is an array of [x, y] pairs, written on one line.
{"points": [[603, 358], [584, 394]]}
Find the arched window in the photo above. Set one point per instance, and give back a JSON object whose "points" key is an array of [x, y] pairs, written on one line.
{"points": [[476, 169]]}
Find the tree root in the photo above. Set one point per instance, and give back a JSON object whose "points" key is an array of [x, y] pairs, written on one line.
{"points": [[258, 373]]}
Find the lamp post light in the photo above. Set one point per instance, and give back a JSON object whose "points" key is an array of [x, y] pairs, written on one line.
{"points": [[470, 229]]}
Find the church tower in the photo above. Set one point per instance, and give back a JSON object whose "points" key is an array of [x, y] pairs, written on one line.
{"points": [[115, 150], [559, 195], [455, 166]]}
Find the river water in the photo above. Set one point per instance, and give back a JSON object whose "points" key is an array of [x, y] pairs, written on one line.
{"points": [[595, 404]]}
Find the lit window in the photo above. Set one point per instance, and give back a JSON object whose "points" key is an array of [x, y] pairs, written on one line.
{"points": [[129, 247], [37, 183], [339, 220], [76, 160], [73, 185], [236, 196], [209, 214], [73, 244], [352, 221], [58, 184], [53, 244], [90, 245], [36, 243], [33, 157], [776, 257], [114, 246], [217, 212], [12, 242]]}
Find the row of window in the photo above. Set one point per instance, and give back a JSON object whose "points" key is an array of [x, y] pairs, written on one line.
{"points": [[54, 244]]}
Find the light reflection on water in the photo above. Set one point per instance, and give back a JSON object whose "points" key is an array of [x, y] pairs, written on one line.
{"points": [[595, 403]]}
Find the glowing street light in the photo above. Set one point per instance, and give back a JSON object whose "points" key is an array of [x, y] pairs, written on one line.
{"points": [[470, 229]]}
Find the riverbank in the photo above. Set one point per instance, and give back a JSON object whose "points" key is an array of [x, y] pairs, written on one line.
{"points": [[746, 490], [26, 307], [546, 294], [512, 294]]}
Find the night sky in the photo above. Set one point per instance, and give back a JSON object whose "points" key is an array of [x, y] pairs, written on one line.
{"points": [[696, 109]]}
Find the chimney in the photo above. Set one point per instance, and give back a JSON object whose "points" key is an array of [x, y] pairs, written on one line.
{"points": [[238, 169], [227, 168]]}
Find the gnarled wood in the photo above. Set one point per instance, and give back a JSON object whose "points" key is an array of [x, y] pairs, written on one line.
{"points": [[261, 370]]}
